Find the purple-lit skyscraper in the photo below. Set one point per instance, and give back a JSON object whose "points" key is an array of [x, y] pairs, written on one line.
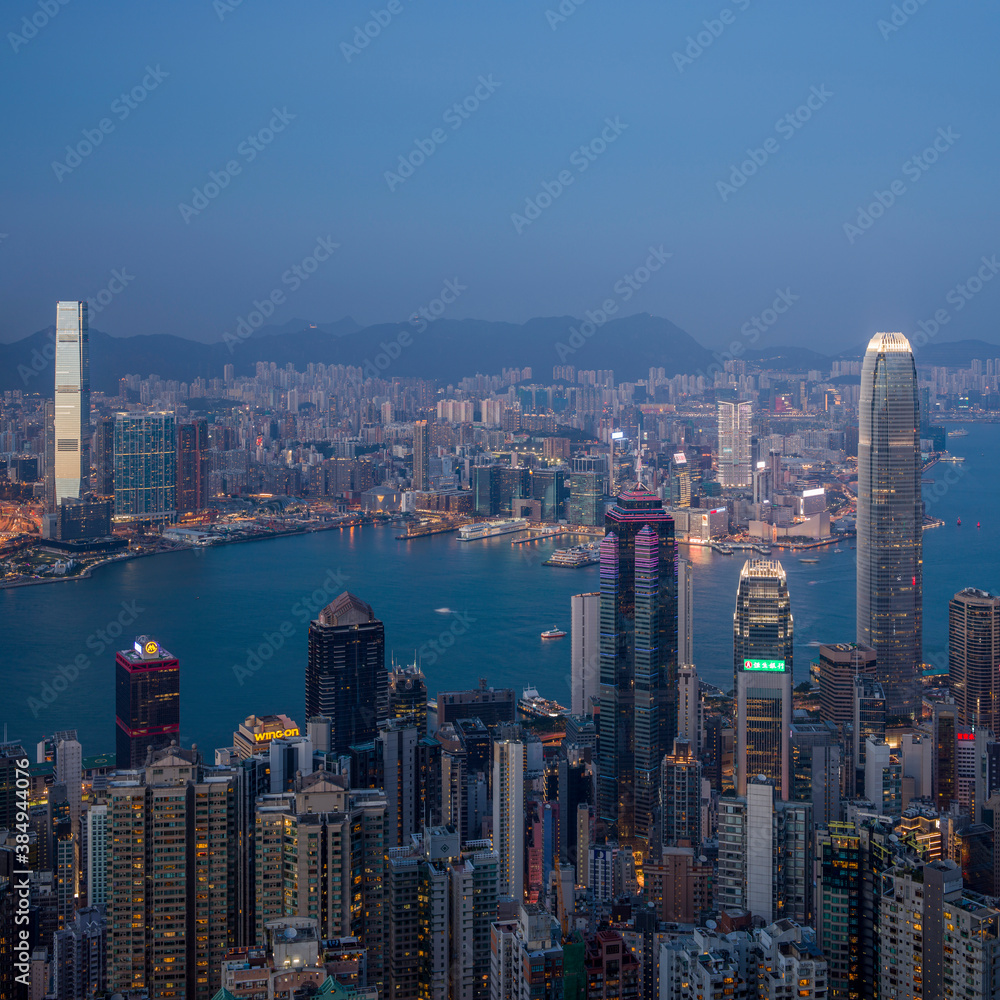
{"points": [[638, 643]]}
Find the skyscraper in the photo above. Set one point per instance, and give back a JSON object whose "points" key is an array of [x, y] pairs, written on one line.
{"points": [[839, 664], [685, 611], [346, 679], [192, 466], [890, 519], [735, 424], [585, 655], [508, 815], [638, 718], [171, 876], [762, 661], [71, 423], [145, 466], [421, 455], [104, 457], [148, 701], [974, 658]]}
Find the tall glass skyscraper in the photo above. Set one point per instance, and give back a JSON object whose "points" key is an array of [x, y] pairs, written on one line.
{"points": [[973, 656], [890, 519], [735, 424], [71, 419], [145, 466], [638, 646], [762, 663]]}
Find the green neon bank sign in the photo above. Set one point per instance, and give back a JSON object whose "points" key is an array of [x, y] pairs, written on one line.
{"points": [[776, 666]]}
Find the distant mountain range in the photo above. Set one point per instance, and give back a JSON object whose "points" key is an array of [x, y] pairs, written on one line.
{"points": [[446, 350]]}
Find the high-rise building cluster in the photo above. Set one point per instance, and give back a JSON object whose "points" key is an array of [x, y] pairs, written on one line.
{"points": [[816, 831]]}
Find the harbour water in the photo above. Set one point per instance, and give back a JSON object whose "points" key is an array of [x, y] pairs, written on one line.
{"points": [[237, 616]]}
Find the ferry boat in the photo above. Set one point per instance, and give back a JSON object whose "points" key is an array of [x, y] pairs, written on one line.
{"points": [[553, 633], [532, 704], [488, 529], [572, 558], [945, 457], [958, 432], [809, 561]]}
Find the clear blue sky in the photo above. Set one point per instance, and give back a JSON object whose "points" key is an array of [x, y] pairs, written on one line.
{"points": [[357, 112]]}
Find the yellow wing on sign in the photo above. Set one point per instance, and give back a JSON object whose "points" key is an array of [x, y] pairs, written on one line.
{"points": [[151, 648]]}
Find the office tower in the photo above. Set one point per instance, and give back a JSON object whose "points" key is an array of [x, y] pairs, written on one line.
{"points": [[585, 654], [765, 854], [944, 762], [400, 775], [145, 466], [71, 425], [147, 700], [192, 466], [95, 850], [638, 720], [680, 797], [65, 853], [883, 778], [408, 697], [839, 664], [346, 678], [492, 705], [421, 455], [255, 733], [320, 853], [974, 658], [79, 956], [586, 497], [762, 660], [575, 790], [680, 481], [104, 457], [890, 519], [868, 716], [761, 484], [735, 425], [69, 771], [690, 711], [287, 758], [12, 759], [685, 611], [485, 490], [550, 488], [816, 764], [840, 880], [508, 815], [171, 885]]}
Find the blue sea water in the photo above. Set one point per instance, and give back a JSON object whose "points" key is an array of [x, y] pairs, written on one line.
{"points": [[237, 616]]}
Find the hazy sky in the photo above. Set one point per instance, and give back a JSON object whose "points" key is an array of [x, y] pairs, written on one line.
{"points": [[624, 100]]}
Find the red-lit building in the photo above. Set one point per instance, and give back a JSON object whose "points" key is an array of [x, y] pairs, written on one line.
{"points": [[147, 699]]}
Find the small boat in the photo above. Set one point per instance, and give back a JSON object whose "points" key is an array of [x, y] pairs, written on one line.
{"points": [[978, 524], [959, 523], [553, 633], [443, 611], [808, 561]]}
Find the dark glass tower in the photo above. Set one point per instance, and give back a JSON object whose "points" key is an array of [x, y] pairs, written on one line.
{"points": [[346, 679], [192, 466], [148, 701], [762, 661], [638, 645], [890, 519], [973, 657]]}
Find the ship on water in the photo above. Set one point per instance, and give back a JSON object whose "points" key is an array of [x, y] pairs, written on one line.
{"points": [[573, 558], [489, 529], [533, 705]]}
